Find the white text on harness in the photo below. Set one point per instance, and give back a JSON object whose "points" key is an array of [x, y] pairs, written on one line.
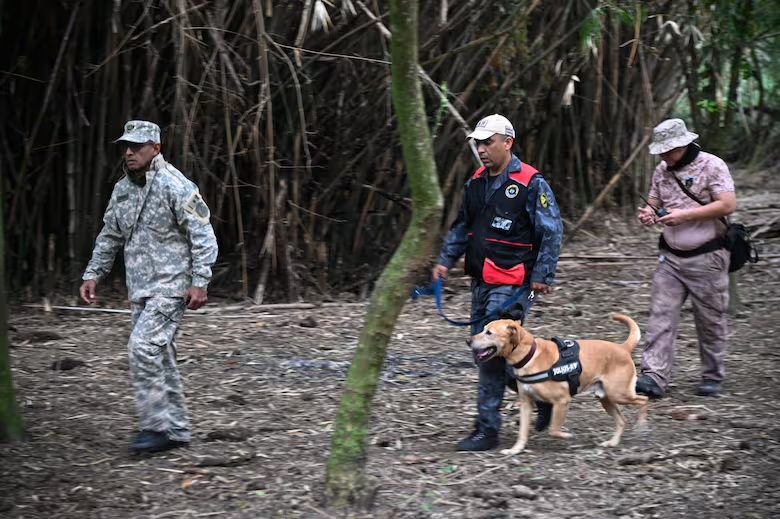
{"points": [[566, 368]]}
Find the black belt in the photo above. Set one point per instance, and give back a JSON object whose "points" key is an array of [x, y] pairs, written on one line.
{"points": [[710, 246]]}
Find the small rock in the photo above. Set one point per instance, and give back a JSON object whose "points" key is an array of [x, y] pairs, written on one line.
{"points": [[484, 494], [684, 414], [411, 459], [66, 364], [637, 459], [235, 434], [308, 322], [523, 492], [255, 484], [729, 463], [744, 445], [236, 399], [498, 502], [225, 461]]}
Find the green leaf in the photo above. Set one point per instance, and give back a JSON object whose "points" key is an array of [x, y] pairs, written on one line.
{"points": [[260, 493], [448, 469], [590, 32], [624, 16]]}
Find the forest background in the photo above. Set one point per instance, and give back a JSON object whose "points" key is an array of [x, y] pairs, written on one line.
{"points": [[281, 112]]}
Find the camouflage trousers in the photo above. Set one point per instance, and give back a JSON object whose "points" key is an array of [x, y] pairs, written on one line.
{"points": [[155, 377], [493, 374], [705, 280]]}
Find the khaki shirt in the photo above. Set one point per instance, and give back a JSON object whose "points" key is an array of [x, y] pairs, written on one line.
{"points": [[166, 233], [705, 177]]}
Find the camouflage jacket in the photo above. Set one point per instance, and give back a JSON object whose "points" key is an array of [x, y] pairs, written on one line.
{"points": [[545, 220], [164, 227]]}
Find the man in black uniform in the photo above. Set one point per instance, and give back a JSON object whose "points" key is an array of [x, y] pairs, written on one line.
{"points": [[509, 227]]}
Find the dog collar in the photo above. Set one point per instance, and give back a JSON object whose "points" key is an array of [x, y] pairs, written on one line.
{"points": [[525, 360]]}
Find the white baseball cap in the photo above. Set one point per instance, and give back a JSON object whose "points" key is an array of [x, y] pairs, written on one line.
{"points": [[491, 125]]}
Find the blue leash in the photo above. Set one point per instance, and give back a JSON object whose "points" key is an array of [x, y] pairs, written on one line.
{"points": [[436, 288]]}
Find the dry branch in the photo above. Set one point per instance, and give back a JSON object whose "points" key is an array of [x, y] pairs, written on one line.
{"points": [[610, 185]]}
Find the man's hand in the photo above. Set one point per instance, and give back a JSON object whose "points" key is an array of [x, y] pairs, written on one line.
{"points": [[646, 215], [87, 291], [675, 217], [440, 271], [195, 298], [540, 288]]}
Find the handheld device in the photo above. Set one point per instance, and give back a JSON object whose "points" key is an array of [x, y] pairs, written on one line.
{"points": [[659, 211]]}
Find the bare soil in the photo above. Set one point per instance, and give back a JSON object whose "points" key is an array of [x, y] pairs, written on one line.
{"points": [[263, 386]]}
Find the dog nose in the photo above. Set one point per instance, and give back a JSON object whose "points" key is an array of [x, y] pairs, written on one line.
{"points": [[468, 342]]}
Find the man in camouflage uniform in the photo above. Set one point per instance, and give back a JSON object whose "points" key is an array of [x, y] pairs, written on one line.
{"points": [[509, 227], [159, 217], [693, 260]]}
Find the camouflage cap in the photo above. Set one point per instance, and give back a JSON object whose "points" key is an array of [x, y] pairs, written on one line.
{"points": [[140, 132], [669, 135]]}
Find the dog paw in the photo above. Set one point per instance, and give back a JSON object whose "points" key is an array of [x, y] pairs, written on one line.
{"points": [[510, 452], [610, 443], [561, 434]]}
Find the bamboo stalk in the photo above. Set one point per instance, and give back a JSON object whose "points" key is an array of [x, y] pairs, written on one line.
{"points": [[268, 244], [30, 141], [236, 195], [610, 185]]}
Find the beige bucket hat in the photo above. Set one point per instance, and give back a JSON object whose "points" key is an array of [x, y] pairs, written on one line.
{"points": [[669, 135]]}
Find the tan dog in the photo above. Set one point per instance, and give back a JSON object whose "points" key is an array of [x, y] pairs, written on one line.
{"points": [[607, 368]]}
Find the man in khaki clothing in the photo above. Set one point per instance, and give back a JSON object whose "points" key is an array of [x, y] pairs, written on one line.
{"points": [[693, 260]]}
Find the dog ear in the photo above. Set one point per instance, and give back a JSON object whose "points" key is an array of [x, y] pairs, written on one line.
{"points": [[512, 329]]}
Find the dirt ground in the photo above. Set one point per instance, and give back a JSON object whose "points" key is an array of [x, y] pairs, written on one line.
{"points": [[263, 386]]}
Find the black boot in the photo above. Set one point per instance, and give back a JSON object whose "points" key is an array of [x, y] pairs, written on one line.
{"points": [[709, 387], [648, 386], [543, 415], [479, 440], [155, 441]]}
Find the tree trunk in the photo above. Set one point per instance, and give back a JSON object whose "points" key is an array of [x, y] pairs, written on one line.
{"points": [[345, 480], [11, 428]]}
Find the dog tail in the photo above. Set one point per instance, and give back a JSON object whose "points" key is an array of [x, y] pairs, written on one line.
{"points": [[634, 333]]}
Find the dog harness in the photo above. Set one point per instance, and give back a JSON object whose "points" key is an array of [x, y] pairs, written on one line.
{"points": [[566, 369]]}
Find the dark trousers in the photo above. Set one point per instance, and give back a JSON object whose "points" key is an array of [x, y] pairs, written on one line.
{"points": [[493, 373]]}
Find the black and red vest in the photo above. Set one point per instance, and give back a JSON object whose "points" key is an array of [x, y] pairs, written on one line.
{"points": [[501, 248]]}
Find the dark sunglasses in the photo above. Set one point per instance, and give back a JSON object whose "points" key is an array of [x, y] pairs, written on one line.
{"points": [[135, 146]]}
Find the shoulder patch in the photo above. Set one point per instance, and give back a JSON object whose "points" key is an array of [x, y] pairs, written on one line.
{"points": [[525, 174], [544, 200], [197, 207]]}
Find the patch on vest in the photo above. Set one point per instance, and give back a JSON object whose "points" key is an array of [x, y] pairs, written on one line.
{"points": [[503, 224], [197, 207], [512, 191], [543, 200]]}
